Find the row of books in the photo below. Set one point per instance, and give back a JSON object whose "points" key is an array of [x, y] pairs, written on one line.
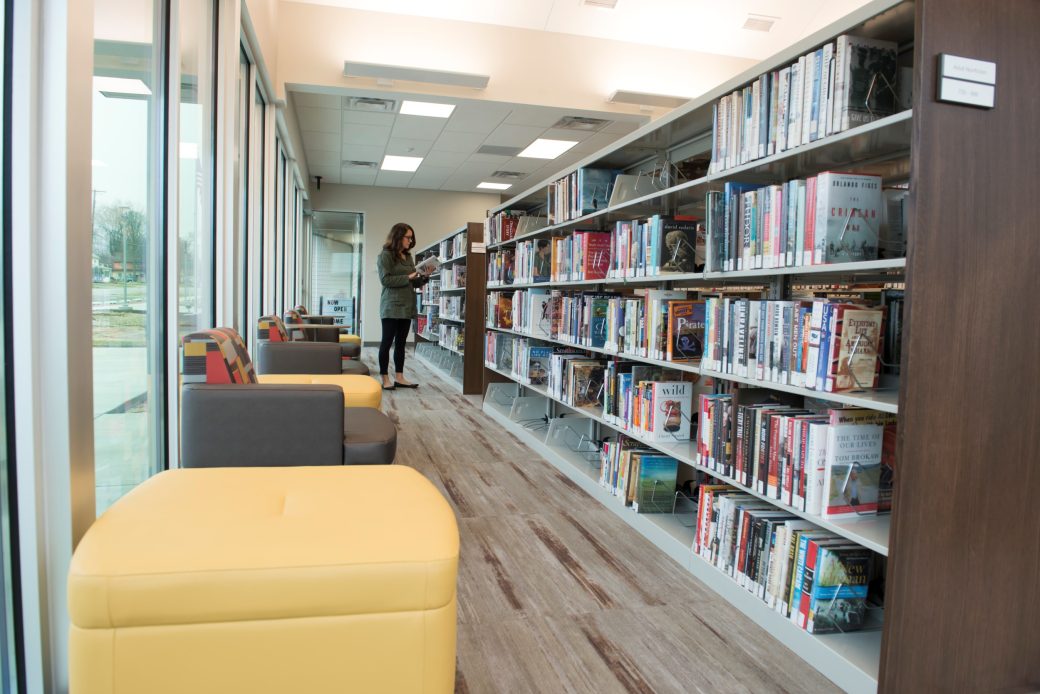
{"points": [[529, 262], [822, 344], [453, 276], [841, 85], [579, 193], [833, 463], [640, 478], [818, 580], [452, 306], [508, 224], [453, 247], [829, 218], [452, 336], [657, 245]]}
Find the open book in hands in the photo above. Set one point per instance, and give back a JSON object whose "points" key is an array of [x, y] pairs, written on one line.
{"points": [[429, 266]]}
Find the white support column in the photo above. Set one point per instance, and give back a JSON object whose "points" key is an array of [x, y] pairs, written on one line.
{"points": [[229, 22], [51, 309]]}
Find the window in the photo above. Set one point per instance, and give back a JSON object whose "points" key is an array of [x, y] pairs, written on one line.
{"points": [[8, 559], [336, 241], [243, 154], [255, 241], [127, 309], [195, 137]]}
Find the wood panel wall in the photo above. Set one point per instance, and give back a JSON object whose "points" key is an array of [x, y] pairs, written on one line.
{"points": [[963, 588]]}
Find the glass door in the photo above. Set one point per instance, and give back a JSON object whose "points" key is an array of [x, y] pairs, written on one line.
{"points": [[336, 265]]}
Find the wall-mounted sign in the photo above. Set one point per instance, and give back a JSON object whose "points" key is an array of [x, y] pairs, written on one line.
{"points": [[966, 81]]}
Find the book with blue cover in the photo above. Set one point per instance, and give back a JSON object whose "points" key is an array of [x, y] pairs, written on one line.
{"points": [[594, 187], [656, 480]]}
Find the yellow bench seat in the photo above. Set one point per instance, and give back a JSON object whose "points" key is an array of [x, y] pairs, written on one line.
{"points": [[358, 391], [264, 580]]}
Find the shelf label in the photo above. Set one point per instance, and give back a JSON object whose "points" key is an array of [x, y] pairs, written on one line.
{"points": [[968, 69], [970, 93]]}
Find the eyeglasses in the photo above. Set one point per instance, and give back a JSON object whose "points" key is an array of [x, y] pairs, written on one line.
{"points": [[410, 238]]}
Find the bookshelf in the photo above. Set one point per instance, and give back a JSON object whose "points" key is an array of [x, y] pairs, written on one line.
{"points": [[961, 595], [455, 306]]}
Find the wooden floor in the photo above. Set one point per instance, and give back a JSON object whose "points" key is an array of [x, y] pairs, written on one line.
{"points": [[557, 594]]}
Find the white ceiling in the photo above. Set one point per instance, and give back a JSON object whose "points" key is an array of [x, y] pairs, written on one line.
{"points": [[333, 134], [709, 26]]}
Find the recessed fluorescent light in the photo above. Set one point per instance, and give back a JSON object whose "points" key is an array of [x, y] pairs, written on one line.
{"points": [[494, 186], [546, 149], [624, 96], [121, 85], [394, 163], [426, 108], [759, 22]]}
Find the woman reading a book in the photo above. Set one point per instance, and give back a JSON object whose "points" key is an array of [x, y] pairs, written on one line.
{"points": [[398, 276]]}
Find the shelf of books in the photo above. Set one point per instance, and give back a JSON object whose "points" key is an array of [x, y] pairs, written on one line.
{"points": [[709, 344], [453, 304]]}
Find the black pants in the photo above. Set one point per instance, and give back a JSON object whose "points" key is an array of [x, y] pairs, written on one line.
{"points": [[395, 330]]}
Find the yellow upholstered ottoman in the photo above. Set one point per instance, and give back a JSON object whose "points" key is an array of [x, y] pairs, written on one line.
{"points": [[265, 580], [352, 339], [358, 391]]}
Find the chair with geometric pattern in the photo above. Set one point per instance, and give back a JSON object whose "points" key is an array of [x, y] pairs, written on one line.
{"points": [[232, 417], [277, 354], [344, 335]]}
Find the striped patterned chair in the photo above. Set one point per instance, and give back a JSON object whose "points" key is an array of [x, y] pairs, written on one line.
{"points": [[278, 354], [319, 329], [231, 417]]}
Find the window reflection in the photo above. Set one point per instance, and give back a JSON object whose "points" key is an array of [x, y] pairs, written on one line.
{"points": [[125, 246]]}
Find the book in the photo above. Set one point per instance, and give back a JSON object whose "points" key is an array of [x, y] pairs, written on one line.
{"points": [[538, 366], [655, 483], [868, 80], [428, 266], [837, 601], [685, 339], [677, 244], [673, 410], [859, 340], [848, 217], [853, 471]]}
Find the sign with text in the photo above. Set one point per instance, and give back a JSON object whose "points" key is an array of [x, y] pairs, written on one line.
{"points": [[966, 81], [341, 309]]}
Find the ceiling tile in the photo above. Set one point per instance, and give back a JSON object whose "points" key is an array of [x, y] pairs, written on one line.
{"points": [[539, 116], [325, 141], [458, 142], [310, 100], [514, 135], [477, 117], [322, 120], [408, 148], [363, 153], [418, 184], [438, 157], [427, 171], [522, 164], [322, 157], [418, 127], [356, 134], [486, 159], [595, 143], [359, 178], [367, 118], [398, 179], [329, 174], [621, 127], [571, 135]]}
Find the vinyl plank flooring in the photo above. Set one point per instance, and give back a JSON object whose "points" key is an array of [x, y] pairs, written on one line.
{"points": [[557, 594]]}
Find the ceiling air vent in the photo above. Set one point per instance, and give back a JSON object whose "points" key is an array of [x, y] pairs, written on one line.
{"points": [[499, 150], [604, 4], [511, 175], [581, 123], [354, 164], [367, 103], [759, 22]]}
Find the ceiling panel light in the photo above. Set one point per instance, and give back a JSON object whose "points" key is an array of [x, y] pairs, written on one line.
{"points": [[426, 108], [121, 87], [543, 148], [414, 74], [759, 22], [494, 186], [624, 96], [395, 163]]}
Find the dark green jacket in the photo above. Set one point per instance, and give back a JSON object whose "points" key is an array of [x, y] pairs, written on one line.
{"points": [[398, 297]]}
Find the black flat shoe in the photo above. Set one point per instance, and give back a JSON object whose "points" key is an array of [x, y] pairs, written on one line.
{"points": [[406, 385], [390, 387]]}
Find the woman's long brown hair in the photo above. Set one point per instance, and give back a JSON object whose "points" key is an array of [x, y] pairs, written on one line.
{"points": [[395, 240]]}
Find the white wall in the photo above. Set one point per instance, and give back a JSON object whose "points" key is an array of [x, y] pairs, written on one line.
{"points": [[432, 213], [526, 66]]}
